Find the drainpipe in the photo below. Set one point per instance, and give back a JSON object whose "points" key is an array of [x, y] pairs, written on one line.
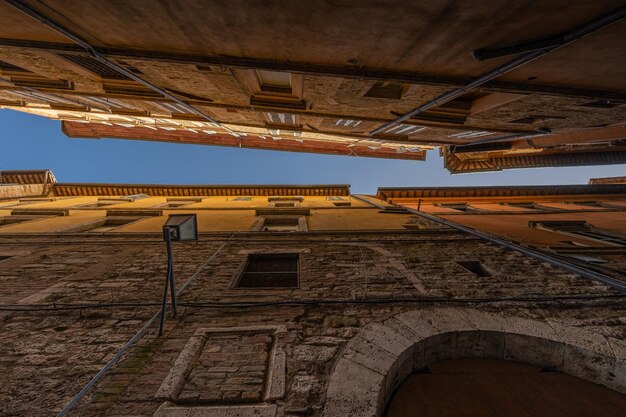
{"points": [[571, 37], [544, 257]]}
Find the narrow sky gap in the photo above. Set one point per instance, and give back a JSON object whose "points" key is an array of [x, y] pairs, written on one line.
{"points": [[31, 142]]}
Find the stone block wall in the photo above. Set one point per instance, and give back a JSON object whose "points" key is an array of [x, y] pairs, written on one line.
{"points": [[267, 351]]}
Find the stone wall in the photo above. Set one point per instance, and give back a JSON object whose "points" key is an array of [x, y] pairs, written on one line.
{"points": [[267, 351]]}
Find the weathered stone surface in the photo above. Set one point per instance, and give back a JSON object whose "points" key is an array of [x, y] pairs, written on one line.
{"points": [[48, 356]]}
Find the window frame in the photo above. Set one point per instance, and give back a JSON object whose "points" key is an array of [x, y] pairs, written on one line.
{"points": [[246, 263]]}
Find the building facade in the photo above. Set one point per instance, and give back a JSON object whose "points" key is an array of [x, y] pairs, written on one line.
{"points": [[384, 80], [295, 301]]}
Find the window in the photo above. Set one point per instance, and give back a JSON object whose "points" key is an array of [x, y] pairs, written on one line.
{"points": [[137, 196], [582, 229], [601, 104], [274, 81], [457, 206], [281, 118], [242, 199], [404, 129], [105, 202], [94, 66], [387, 89], [276, 270], [347, 122], [475, 267], [281, 224], [14, 219], [342, 203], [587, 203], [530, 205], [458, 109], [285, 198], [275, 89], [179, 202], [587, 258], [284, 204], [107, 224], [535, 119]]}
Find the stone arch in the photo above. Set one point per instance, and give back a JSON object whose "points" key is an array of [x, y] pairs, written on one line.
{"points": [[383, 354]]}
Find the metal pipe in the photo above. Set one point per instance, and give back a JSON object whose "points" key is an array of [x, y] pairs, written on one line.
{"points": [[144, 329], [572, 36], [104, 60], [544, 257]]}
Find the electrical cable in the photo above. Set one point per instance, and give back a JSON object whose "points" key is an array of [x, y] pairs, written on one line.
{"points": [[315, 302]]}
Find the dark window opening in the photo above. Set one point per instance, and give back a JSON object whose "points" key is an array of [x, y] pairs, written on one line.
{"points": [[282, 224], [529, 205], [524, 120], [275, 270], [535, 119], [104, 203], [42, 83], [242, 199], [601, 104], [582, 229], [6, 67], [588, 203], [107, 224], [286, 198], [284, 204], [94, 66], [342, 204], [475, 267], [587, 258], [458, 207], [275, 81], [14, 219], [387, 89]]}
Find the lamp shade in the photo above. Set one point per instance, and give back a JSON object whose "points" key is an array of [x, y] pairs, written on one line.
{"points": [[181, 227]]}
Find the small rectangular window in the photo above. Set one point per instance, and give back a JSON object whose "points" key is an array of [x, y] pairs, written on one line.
{"points": [[347, 122], [94, 66], [242, 199], [275, 270], [274, 81], [104, 203], [342, 203], [387, 89], [475, 267], [457, 207], [285, 198], [284, 204], [601, 104], [587, 203], [108, 224], [13, 219]]}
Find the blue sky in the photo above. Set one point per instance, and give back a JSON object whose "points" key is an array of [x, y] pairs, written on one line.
{"points": [[32, 142]]}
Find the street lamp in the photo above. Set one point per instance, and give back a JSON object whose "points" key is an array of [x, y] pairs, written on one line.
{"points": [[178, 227]]}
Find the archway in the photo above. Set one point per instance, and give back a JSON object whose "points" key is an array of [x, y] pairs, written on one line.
{"points": [[495, 387], [383, 354]]}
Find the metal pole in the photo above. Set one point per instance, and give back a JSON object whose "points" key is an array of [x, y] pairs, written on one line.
{"points": [[170, 271], [168, 241]]}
